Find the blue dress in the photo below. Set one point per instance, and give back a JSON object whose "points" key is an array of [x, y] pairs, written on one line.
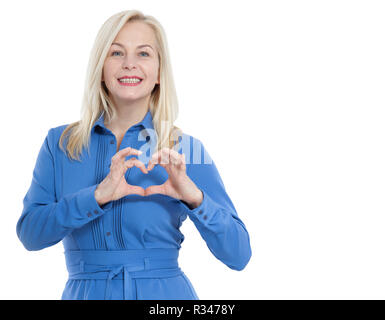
{"points": [[128, 248]]}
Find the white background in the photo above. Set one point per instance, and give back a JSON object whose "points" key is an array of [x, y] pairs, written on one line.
{"points": [[287, 97]]}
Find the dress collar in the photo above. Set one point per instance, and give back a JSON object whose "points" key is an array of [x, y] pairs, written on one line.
{"points": [[145, 123]]}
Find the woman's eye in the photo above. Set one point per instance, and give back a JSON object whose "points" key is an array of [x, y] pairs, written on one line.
{"points": [[113, 53]]}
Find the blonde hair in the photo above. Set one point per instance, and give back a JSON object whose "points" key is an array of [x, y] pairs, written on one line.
{"points": [[163, 103]]}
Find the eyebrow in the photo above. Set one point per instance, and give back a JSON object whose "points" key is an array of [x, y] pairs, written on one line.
{"points": [[140, 46]]}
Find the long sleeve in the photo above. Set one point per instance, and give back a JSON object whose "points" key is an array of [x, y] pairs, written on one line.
{"points": [[44, 220], [216, 217]]}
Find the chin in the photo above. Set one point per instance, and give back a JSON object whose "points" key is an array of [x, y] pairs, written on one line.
{"points": [[130, 97]]}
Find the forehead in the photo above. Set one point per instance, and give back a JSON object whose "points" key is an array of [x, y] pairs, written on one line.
{"points": [[133, 33]]}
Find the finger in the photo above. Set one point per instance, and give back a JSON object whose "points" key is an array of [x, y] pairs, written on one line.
{"points": [[160, 157], [165, 152], [183, 160], [176, 157], [170, 156], [120, 156], [150, 165], [129, 151], [126, 152], [137, 163], [151, 162]]}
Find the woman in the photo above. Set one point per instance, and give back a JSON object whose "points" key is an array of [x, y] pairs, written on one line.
{"points": [[119, 218]]}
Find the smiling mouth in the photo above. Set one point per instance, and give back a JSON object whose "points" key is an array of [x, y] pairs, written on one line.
{"points": [[130, 82]]}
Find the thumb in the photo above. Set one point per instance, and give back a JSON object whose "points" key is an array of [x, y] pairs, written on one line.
{"points": [[154, 189], [130, 189]]}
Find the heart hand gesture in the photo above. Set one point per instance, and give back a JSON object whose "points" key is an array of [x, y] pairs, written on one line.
{"points": [[178, 185]]}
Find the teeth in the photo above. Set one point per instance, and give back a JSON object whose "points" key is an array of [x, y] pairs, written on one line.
{"points": [[129, 80]]}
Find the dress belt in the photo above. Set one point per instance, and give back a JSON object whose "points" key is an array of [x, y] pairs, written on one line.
{"points": [[129, 264]]}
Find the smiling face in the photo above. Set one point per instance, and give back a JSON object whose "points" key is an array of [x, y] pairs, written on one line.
{"points": [[133, 53]]}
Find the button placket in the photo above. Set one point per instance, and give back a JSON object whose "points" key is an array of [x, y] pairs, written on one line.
{"points": [[111, 150], [128, 141], [110, 147], [108, 236]]}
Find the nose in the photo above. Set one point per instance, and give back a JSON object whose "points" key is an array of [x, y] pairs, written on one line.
{"points": [[129, 62]]}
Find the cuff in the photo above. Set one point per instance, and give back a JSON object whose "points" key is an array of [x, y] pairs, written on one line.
{"points": [[88, 205], [202, 213]]}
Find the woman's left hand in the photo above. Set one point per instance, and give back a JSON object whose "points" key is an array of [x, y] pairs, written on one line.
{"points": [[178, 184]]}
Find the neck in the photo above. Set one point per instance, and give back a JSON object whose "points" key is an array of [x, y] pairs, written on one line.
{"points": [[126, 116]]}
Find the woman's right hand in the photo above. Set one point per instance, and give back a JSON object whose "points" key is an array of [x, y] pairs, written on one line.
{"points": [[115, 186]]}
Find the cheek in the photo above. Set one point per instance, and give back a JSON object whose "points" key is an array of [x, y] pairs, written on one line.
{"points": [[109, 69], [152, 71]]}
